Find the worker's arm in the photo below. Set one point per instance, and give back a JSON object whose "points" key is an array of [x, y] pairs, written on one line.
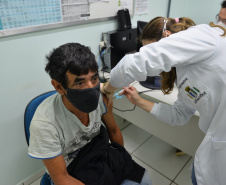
{"points": [[136, 99], [109, 121], [176, 114], [191, 46], [108, 90], [58, 171]]}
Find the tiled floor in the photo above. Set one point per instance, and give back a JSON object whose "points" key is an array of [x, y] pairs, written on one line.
{"points": [[156, 156]]}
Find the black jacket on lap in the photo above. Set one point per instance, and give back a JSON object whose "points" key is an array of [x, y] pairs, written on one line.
{"points": [[103, 163]]}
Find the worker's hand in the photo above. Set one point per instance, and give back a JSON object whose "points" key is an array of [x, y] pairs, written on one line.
{"points": [[132, 95], [101, 87], [108, 95]]}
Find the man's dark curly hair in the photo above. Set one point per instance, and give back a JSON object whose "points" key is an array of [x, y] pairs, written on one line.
{"points": [[73, 57], [223, 4]]}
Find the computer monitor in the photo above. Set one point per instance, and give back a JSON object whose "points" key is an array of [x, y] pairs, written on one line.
{"points": [[140, 27], [119, 43], [152, 82]]}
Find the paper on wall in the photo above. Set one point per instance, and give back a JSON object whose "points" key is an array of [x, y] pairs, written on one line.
{"points": [[141, 7]]}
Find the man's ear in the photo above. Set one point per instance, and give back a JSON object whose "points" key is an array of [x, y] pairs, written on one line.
{"points": [[59, 88], [166, 33]]}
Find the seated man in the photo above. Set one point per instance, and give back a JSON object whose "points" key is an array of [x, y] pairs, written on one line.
{"points": [[70, 130]]}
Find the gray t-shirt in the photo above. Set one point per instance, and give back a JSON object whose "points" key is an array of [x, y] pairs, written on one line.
{"points": [[55, 130]]}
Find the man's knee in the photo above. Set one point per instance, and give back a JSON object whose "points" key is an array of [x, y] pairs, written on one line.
{"points": [[146, 180]]}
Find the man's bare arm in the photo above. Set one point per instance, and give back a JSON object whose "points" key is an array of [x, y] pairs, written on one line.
{"points": [[108, 119], [58, 171]]}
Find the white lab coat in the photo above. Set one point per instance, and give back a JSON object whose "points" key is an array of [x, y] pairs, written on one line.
{"points": [[199, 55]]}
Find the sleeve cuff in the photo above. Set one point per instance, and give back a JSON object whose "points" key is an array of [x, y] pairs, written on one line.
{"points": [[155, 109], [44, 156]]}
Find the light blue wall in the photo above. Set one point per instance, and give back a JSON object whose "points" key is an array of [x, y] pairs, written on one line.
{"points": [[201, 11], [178, 8], [22, 77]]}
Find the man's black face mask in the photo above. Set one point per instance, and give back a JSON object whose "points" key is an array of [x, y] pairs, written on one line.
{"points": [[85, 100]]}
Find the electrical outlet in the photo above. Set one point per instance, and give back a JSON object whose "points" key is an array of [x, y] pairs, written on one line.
{"points": [[102, 44]]}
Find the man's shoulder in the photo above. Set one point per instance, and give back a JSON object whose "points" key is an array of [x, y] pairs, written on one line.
{"points": [[104, 98], [47, 108], [103, 103]]}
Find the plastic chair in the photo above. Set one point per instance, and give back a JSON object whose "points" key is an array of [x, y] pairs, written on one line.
{"points": [[28, 115]]}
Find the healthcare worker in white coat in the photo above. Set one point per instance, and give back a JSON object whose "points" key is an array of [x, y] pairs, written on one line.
{"points": [[198, 56]]}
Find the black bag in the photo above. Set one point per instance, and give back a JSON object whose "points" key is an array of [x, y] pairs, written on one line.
{"points": [[104, 163]]}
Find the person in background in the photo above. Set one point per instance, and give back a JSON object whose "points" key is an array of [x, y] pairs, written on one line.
{"points": [[154, 32], [70, 130], [195, 59], [221, 16]]}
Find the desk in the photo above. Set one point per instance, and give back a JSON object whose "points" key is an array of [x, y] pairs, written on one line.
{"points": [[186, 138]]}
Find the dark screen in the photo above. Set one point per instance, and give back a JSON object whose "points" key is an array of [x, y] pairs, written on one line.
{"points": [[140, 27]]}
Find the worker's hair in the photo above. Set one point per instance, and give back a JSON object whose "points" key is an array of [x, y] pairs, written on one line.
{"points": [[221, 27], [153, 31], [223, 5], [72, 57]]}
